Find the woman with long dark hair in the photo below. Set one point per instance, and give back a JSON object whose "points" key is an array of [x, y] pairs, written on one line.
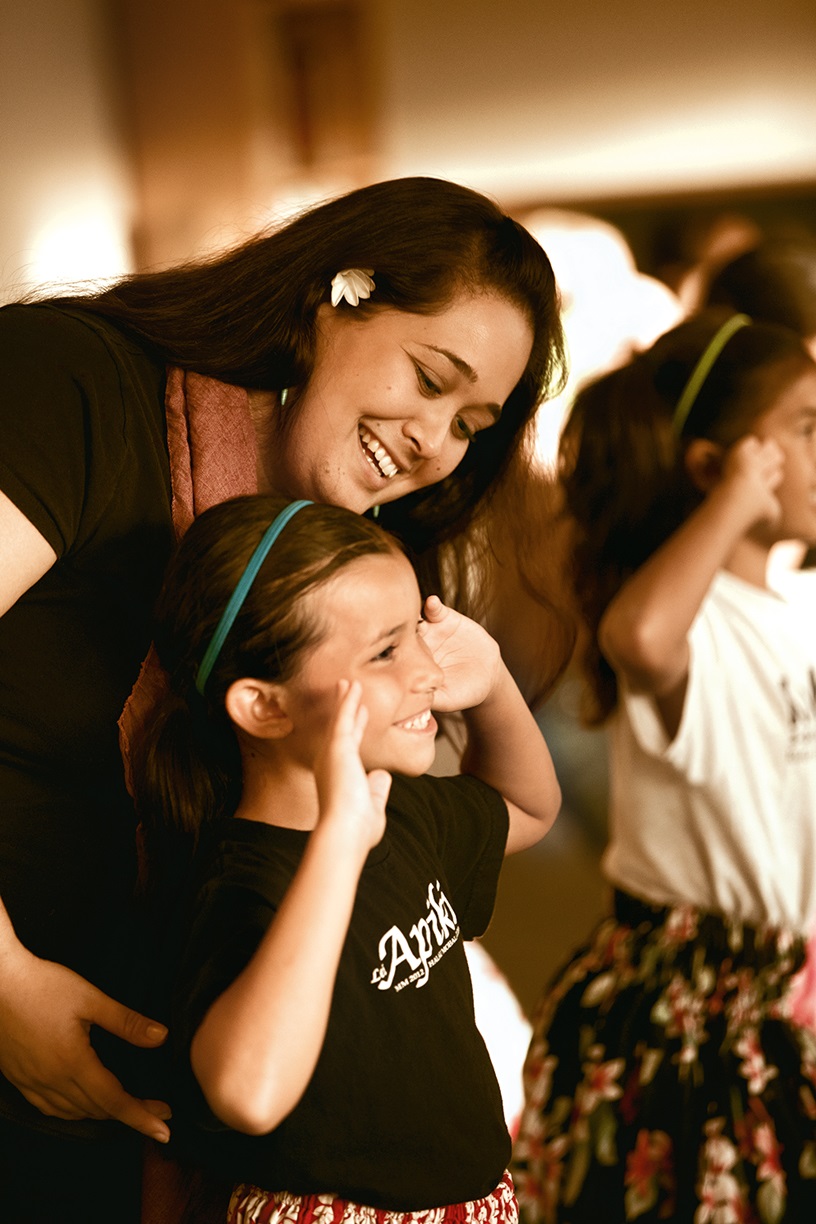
{"points": [[385, 351]]}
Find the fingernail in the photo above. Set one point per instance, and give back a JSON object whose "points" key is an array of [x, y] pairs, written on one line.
{"points": [[156, 1031]]}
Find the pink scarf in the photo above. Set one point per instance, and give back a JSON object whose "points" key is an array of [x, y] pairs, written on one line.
{"points": [[211, 444]]}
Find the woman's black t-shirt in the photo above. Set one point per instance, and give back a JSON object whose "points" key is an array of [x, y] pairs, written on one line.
{"points": [[83, 456]]}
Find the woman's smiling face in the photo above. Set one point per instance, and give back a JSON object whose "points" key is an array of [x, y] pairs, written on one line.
{"points": [[395, 398]]}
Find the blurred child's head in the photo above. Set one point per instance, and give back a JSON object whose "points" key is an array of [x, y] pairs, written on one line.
{"points": [[643, 443], [624, 449], [774, 282]]}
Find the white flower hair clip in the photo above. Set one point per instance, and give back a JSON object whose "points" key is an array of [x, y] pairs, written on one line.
{"points": [[351, 285]]}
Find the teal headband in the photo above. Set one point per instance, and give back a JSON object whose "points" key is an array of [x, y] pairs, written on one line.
{"points": [[241, 591], [703, 368]]}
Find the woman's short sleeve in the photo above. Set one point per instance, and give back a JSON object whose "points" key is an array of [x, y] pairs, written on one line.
{"points": [[62, 426]]}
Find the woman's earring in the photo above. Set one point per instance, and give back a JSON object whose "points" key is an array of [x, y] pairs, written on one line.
{"points": [[283, 397], [375, 512]]}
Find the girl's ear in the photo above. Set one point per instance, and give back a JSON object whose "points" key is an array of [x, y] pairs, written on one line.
{"points": [[703, 461], [257, 707]]}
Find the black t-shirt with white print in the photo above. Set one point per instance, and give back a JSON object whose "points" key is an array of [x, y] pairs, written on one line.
{"points": [[403, 1111]]}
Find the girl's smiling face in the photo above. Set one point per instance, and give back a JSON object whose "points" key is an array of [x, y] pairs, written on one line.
{"points": [[395, 398], [369, 615]]}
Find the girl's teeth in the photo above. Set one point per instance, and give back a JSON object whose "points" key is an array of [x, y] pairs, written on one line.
{"points": [[419, 723]]}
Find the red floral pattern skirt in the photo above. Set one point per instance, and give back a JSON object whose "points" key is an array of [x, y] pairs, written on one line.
{"points": [[250, 1205], [666, 1081]]}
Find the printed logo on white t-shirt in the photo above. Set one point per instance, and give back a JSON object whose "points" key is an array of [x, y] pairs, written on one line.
{"points": [[407, 959], [800, 704]]}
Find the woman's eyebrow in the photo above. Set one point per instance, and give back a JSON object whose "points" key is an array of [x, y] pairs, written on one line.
{"points": [[469, 373], [461, 365]]}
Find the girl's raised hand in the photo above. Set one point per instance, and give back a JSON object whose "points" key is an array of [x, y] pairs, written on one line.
{"points": [[468, 656], [345, 791], [755, 467]]}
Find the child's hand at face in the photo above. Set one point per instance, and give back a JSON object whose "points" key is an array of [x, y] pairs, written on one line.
{"points": [[345, 791], [754, 467], [468, 656]]}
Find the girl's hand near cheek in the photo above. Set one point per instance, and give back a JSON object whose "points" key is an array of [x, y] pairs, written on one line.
{"points": [[346, 792], [754, 468], [466, 653]]}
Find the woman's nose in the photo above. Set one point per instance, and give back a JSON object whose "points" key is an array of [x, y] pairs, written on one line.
{"points": [[427, 433]]}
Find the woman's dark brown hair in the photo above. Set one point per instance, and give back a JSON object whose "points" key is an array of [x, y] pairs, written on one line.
{"points": [[248, 317]]}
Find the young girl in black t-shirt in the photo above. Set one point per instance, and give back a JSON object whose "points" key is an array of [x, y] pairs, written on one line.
{"points": [[328, 1060]]}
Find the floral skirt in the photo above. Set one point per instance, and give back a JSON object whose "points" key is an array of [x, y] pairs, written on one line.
{"points": [[249, 1205], [666, 1081]]}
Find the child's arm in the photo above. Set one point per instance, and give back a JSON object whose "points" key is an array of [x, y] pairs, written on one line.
{"points": [[256, 1048], [644, 631], [505, 748]]}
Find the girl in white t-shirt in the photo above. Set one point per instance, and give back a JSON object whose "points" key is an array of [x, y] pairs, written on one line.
{"points": [[666, 1079]]}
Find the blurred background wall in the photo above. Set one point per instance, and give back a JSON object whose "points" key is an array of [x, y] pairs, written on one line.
{"points": [[138, 132], [67, 174]]}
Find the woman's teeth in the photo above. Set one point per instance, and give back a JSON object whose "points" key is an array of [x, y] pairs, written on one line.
{"points": [[377, 455], [418, 723]]}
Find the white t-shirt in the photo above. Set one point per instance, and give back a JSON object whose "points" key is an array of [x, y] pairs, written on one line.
{"points": [[724, 815]]}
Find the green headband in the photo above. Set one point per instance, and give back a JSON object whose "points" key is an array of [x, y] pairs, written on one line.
{"points": [[703, 368], [241, 591]]}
